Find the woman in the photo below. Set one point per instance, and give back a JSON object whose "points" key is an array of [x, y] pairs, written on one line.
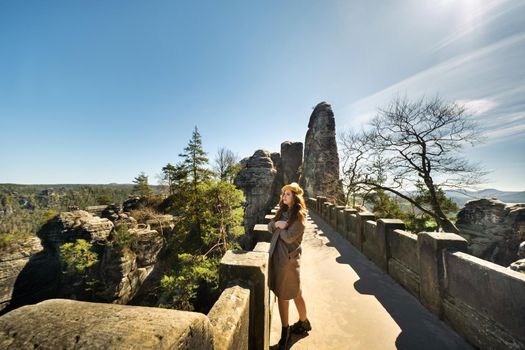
{"points": [[285, 259]]}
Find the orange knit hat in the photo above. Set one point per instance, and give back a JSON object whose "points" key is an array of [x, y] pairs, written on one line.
{"points": [[294, 187]]}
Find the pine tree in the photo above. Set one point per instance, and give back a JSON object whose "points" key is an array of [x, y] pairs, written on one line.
{"points": [[194, 162], [209, 221], [142, 188], [180, 193]]}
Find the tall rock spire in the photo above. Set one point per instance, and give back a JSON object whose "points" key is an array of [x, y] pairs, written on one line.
{"points": [[320, 173]]}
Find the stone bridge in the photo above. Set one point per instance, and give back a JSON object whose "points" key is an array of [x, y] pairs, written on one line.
{"points": [[368, 284]]}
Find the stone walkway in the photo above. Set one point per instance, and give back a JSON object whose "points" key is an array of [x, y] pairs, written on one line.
{"points": [[352, 304]]}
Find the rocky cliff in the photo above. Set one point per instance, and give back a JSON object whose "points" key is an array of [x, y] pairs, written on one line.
{"points": [[31, 270], [494, 229]]}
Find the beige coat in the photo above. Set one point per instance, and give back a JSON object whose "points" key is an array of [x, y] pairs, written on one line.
{"points": [[285, 258]]}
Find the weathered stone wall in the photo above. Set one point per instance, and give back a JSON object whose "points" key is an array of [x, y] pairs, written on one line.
{"points": [[482, 301], [485, 301]]}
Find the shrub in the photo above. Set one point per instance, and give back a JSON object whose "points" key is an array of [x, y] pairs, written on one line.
{"points": [[180, 288], [143, 214], [124, 238], [77, 257], [104, 200]]}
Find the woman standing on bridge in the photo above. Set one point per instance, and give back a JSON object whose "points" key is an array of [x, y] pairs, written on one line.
{"points": [[285, 259]]}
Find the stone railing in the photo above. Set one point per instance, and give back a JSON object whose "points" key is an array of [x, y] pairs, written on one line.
{"points": [[482, 301], [239, 319]]}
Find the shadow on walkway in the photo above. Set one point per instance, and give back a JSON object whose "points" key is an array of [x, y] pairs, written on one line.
{"points": [[419, 328]]}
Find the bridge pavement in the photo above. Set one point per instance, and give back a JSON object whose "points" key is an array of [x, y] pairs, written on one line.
{"points": [[352, 304]]}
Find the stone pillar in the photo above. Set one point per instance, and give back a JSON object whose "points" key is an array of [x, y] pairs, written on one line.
{"points": [[431, 246], [352, 228], [262, 247], [311, 203], [329, 213], [384, 227], [230, 318], [261, 233], [320, 201], [326, 211], [333, 217], [251, 267], [340, 219], [347, 213], [268, 218], [362, 218]]}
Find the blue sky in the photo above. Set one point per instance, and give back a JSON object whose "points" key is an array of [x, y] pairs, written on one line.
{"points": [[98, 91]]}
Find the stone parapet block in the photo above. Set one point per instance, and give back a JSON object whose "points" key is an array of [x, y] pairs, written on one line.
{"points": [[263, 247], [311, 203], [261, 233], [73, 324], [348, 222], [384, 228], [329, 210], [431, 246], [320, 201], [268, 218], [484, 301], [230, 318], [339, 218], [362, 218], [251, 267]]}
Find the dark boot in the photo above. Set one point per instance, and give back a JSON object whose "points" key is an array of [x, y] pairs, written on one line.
{"points": [[301, 327], [285, 337]]}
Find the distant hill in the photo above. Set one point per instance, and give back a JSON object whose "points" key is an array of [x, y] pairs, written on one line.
{"points": [[463, 196]]}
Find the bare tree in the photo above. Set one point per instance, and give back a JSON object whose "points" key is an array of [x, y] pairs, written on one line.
{"points": [[353, 151], [226, 164], [409, 142]]}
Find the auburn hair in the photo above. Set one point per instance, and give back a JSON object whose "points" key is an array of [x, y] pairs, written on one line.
{"points": [[297, 212]]}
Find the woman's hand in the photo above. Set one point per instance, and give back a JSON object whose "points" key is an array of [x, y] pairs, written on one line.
{"points": [[281, 224]]}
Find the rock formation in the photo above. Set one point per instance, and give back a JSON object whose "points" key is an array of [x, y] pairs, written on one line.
{"points": [[70, 226], [519, 265], [320, 173], [256, 179], [31, 271], [13, 259], [71, 324], [118, 217], [494, 229], [292, 159], [261, 178]]}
